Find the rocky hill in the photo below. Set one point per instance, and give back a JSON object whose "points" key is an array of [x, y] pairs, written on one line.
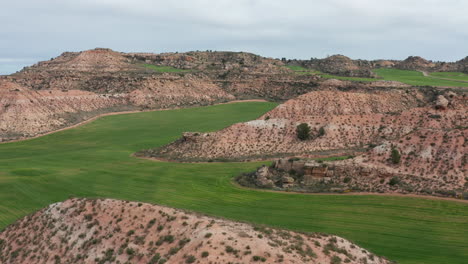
{"points": [[77, 86], [112, 231], [338, 119], [428, 162], [345, 66], [339, 65], [427, 128]]}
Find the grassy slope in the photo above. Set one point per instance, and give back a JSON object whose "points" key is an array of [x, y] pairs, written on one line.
{"points": [[451, 75], [94, 161], [415, 78]]}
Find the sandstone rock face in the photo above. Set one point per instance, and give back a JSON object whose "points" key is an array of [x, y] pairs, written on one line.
{"points": [[111, 231], [441, 102]]}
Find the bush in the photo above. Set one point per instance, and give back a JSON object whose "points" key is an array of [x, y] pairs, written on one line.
{"points": [[204, 254], [130, 251], [393, 181], [321, 132], [335, 260], [155, 259], [191, 259], [395, 156], [303, 131]]}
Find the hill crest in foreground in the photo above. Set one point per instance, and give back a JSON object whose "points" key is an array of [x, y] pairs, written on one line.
{"points": [[113, 231]]}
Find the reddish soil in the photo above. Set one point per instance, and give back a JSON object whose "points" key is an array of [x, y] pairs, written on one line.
{"points": [[112, 231]]}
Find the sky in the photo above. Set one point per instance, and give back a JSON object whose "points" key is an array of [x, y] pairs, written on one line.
{"points": [[35, 30]]}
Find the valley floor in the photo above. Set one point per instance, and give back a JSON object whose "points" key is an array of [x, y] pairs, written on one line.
{"points": [[94, 160]]}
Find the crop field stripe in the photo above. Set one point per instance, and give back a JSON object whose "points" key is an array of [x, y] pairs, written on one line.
{"points": [[94, 160]]}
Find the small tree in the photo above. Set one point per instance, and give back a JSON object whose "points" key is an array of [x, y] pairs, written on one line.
{"points": [[303, 131], [321, 132], [395, 156]]}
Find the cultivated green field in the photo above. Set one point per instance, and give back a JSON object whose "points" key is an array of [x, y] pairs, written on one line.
{"points": [[304, 71], [451, 75], [417, 78], [452, 79], [94, 161]]}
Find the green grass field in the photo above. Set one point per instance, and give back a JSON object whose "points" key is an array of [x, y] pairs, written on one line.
{"points": [[94, 161], [304, 71], [164, 68], [452, 79], [451, 75], [417, 78]]}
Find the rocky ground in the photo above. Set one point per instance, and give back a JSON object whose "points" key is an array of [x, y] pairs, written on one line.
{"points": [[112, 231]]}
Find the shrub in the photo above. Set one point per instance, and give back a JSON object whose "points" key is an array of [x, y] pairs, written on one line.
{"points": [[130, 251], [335, 260], [395, 156], [191, 259], [303, 131], [393, 181], [321, 132], [169, 238], [155, 259], [204, 254]]}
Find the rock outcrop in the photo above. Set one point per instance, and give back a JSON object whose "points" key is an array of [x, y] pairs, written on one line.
{"points": [[415, 63], [339, 65], [111, 231]]}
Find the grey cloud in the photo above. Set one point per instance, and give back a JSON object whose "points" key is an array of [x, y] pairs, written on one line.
{"points": [[368, 29]]}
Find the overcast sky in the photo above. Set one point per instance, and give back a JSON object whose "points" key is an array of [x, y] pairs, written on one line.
{"points": [[33, 30]]}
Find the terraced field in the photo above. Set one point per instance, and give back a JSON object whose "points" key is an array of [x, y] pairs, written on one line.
{"points": [[94, 160]]}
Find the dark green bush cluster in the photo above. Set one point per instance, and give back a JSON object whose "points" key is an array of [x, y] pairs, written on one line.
{"points": [[303, 131], [395, 156]]}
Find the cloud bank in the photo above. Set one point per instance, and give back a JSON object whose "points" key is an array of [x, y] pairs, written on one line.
{"points": [[369, 29]]}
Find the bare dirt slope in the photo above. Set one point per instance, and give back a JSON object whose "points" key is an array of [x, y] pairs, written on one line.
{"points": [[112, 231]]}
